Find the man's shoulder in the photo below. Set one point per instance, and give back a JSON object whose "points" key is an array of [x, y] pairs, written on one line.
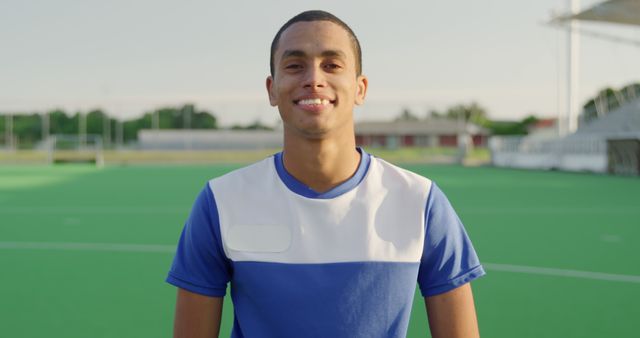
{"points": [[394, 172], [397, 181], [252, 173]]}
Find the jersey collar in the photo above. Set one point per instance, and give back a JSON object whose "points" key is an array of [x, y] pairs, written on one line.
{"points": [[301, 189]]}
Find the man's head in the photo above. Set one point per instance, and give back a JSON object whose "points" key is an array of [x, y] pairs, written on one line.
{"points": [[316, 81], [317, 15]]}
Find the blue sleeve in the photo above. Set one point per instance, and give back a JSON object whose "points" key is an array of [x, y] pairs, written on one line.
{"points": [[200, 265], [448, 258]]}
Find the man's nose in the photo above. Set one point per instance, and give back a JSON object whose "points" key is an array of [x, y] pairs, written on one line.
{"points": [[314, 78]]}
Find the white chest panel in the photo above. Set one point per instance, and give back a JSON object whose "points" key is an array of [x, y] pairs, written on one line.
{"points": [[382, 219]]}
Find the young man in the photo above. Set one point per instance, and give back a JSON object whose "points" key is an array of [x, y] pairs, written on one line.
{"points": [[322, 239]]}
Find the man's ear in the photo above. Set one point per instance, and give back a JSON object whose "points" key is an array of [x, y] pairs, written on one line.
{"points": [[273, 100], [361, 90]]}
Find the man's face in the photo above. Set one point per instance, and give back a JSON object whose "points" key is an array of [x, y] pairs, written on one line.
{"points": [[315, 85]]}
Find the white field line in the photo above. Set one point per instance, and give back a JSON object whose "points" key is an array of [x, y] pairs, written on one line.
{"points": [[110, 247], [553, 210], [535, 270], [158, 248], [79, 209], [92, 210]]}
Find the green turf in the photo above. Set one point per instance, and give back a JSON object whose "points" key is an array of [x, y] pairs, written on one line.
{"points": [[541, 219]]}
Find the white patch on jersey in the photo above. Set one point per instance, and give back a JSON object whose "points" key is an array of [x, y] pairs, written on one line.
{"points": [[258, 238], [382, 219]]}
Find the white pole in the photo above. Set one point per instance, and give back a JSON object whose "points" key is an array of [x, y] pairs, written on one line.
{"points": [[82, 129], [119, 134], [187, 118], [187, 125], [560, 125], [573, 68], [51, 147], [106, 129], [45, 127], [99, 153], [155, 123]]}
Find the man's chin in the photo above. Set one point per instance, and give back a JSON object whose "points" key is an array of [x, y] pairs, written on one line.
{"points": [[308, 132]]}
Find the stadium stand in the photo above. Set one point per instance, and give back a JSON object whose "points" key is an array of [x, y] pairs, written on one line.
{"points": [[608, 144]]}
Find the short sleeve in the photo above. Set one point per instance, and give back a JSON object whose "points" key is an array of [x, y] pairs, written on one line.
{"points": [[448, 258], [200, 265]]}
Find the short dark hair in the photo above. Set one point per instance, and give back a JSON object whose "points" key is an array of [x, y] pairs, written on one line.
{"points": [[318, 15]]}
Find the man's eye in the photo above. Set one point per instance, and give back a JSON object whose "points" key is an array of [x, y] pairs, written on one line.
{"points": [[332, 66], [293, 66]]}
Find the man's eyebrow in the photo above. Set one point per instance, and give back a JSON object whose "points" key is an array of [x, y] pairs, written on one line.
{"points": [[293, 53], [334, 53], [327, 53]]}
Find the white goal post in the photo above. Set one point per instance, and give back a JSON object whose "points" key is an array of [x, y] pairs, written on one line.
{"points": [[64, 148]]}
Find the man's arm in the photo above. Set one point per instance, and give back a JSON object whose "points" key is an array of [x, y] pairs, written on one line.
{"points": [[453, 314], [197, 316]]}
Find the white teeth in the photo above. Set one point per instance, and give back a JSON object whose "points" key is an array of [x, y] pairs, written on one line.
{"points": [[314, 101]]}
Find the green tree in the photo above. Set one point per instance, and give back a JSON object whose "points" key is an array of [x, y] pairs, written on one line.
{"points": [[204, 120], [61, 123], [255, 125], [28, 129], [95, 122], [473, 113], [177, 117], [406, 115], [512, 127]]}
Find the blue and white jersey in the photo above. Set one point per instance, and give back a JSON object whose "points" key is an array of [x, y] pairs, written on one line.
{"points": [[343, 263]]}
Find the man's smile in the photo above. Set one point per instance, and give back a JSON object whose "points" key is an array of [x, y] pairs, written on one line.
{"points": [[314, 104], [313, 101]]}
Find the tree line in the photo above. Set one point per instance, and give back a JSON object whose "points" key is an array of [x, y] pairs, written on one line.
{"points": [[476, 114], [606, 100], [29, 129]]}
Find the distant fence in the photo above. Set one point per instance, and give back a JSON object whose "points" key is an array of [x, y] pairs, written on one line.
{"points": [[149, 139], [8, 142], [577, 154]]}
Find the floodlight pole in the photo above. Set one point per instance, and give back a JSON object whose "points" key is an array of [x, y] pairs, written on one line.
{"points": [[106, 129], [187, 117], [573, 67], [82, 129], [187, 125], [119, 134]]}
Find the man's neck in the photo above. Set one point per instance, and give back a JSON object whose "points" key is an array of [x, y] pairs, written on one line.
{"points": [[321, 164]]}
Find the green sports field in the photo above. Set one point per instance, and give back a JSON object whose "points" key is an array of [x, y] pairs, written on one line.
{"points": [[84, 251]]}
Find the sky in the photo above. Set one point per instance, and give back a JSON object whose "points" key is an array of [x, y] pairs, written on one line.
{"points": [[130, 57]]}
